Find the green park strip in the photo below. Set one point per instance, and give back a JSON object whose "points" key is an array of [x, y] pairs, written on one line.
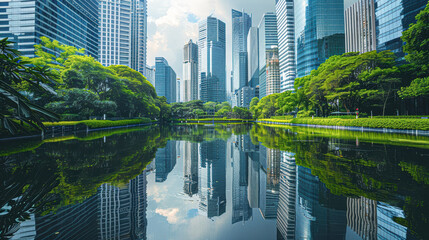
{"points": [[221, 120], [400, 124], [99, 123]]}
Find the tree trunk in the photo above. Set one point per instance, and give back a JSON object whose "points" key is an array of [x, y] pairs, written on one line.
{"points": [[385, 103]]}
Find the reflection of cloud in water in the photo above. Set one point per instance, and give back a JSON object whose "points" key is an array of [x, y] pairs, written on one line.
{"points": [[157, 192], [170, 214], [192, 213]]}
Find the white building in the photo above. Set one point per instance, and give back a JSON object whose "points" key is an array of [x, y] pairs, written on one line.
{"points": [[190, 72]]}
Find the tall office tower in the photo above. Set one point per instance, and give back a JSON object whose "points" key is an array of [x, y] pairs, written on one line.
{"points": [[190, 72], [165, 80], [359, 20], [273, 79], [267, 41], [212, 60], [319, 33], [178, 90], [253, 59], [150, 74], [190, 168], [392, 18], [241, 23], [26, 21], [165, 161], [286, 37], [212, 178], [362, 217], [123, 33], [286, 221], [269, 189]]}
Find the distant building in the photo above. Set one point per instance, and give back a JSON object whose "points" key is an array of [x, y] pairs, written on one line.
{"points": [[319, 33], [267, 41], [123, 33], [392, 18], [26, 21], [360, 27], [190, 72], [253, 60], [212, 60], [273, 79], [286, 38], [165, 161], [165, 80], [178, 90], [150, 74], [244, 96]]}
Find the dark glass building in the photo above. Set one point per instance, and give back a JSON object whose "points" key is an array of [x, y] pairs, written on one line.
{"points": [[73, 23], [319, 32], [392, 18], [165, 161], [165, 80]]}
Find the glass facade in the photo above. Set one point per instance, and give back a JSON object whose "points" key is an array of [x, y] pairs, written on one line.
{"points": [[319, 32], [286, 39], [25, 22], [253, 57], [212, 60], [165, 80], [241, 23], [360, 27], [267, 40], [392, 18], [190, 72]]}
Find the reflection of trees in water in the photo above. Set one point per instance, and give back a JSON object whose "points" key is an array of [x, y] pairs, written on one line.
{"points": [[63, 173]]}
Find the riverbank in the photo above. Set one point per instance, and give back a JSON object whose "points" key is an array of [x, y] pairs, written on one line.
{"points": [[67, 127], [214, 120], [385, 125]]}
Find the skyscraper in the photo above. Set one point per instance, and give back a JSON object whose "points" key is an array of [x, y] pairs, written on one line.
{"points": [[150, 74], [26, 21], [286, 39], [165, 80], [178, 90], [319, 32], [123, 33], [190, 167], [212, 60], [273, 79], [360, 27], [241, 23], [286, 222], [392, 18], [268, 40], [165, 161], [190, 72]]}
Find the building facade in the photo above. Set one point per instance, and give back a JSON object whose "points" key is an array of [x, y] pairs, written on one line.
{"points": [[150, 74], [253, 59], [319, 33], [212, 60], [392, 18], [359, 20], [165, 161], [268, 40], [286, 38], [165, 80], [123, 33], [273, 80], [75, 24], [190, 72]]}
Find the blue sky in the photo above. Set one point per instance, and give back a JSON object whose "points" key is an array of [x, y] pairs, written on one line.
{"points": [[171, 23]]}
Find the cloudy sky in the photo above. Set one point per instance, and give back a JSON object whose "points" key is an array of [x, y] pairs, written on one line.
{"points": [[171, 23]]}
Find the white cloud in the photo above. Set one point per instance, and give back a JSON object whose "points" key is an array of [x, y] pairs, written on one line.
{"points": [[157, 192], [170, 214]]}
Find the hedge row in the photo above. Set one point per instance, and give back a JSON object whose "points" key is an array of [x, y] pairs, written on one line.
{"points": [[100, 123], [215, 119], [405, 124]]}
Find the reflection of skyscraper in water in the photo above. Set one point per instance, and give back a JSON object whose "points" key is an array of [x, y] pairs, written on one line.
{"points": [[113, 213], [362, 217], [241, 210], [387, 228], [287, 199], [165, 160], [319, 214], [269, 184], [212, 174], [190, 167]]}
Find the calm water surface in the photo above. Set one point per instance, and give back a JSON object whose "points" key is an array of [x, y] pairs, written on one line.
{"points": [[216, 182]]}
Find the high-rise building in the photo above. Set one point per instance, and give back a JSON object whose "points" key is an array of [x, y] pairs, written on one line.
{"points": [[267, 41], [72, 23], [178, 90], [273, 80], [241, 23], [286, 222], [392, 18], [212, 60], [286, 38], [253, 59], [359, 20], [165, 80], [190, 72], [319, 33], [123, 33], [150, 74], [190, 168], [362, 217], [165, 161]]}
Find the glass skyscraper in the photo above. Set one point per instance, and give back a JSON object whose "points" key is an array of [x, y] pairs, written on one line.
{"points": [[319, 32], [190, 72], [212, 60], [25, 22], [268, 41], [286, 39], [241, 23], [123, 33], [392, 18], [165, 80]]}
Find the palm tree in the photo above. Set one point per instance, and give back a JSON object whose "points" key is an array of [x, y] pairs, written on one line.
{"points": [[16, 109]]}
